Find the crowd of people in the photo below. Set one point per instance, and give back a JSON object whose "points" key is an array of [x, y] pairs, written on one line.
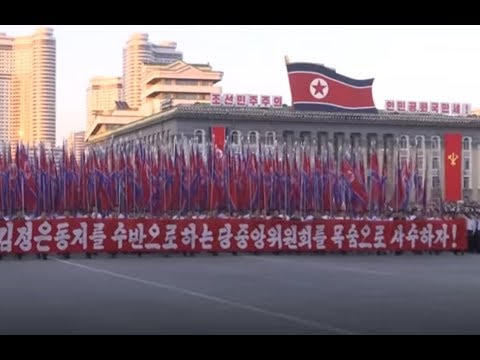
{"points": [[183, 180], [469, 212]]}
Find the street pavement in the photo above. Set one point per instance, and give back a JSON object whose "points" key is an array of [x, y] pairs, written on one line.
{"points": [[245, 294]]}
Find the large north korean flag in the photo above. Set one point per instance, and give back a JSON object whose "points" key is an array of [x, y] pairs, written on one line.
{"points": [[317, 88]]}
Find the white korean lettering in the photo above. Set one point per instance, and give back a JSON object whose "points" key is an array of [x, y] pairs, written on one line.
{"points": [[170, 237], [206, 238], [189, 235], [136, 237], [98, 236], [44, 229], [305, 237], [6, 238], [379, 240], [80, 236], [353, 236], [274, 237], [320, 237], [337, 237], [120, 235], [225, 236], [426, 235], [412, 235], [365, 232], [258, 236], [398, 236], [242, 236], [154, 232], [62, 236], [442, 236], [290, 237], [24, 238]]}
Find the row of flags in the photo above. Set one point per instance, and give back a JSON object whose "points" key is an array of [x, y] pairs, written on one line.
{"points": [[182, 176]]}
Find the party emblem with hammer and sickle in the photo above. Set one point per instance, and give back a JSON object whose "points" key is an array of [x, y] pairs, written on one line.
{"points": [[453, 159]]}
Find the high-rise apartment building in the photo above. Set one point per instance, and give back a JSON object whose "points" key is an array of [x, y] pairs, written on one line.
{"points": [[154, 77], [139, 51], [102, 94], [28, 88], [6, 67]]}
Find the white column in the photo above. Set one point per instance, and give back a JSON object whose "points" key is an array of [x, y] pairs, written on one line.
{"points": [[475, 171]]}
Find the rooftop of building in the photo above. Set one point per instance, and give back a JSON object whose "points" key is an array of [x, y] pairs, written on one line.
{"points": [[105, 77], [288, 114], [176, 63]]}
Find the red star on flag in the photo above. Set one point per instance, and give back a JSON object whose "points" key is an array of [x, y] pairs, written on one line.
{"points": [[319, 88]]}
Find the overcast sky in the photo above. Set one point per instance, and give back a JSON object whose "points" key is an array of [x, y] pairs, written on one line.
{"points": [[422, 63]]}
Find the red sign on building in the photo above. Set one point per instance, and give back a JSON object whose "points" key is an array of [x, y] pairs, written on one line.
{"points": [[242, 100]]}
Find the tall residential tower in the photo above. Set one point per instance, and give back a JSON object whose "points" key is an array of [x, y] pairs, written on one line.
{"points": [[139, 51], [6, 70], [28, 87]]}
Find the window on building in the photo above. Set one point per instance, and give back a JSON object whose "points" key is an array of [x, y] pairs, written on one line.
{"points": [[270, 138], [184, 82], [305, 137], [288, 138], [187, 96], [404, 142], [420, 162], [420, 141], [235, 137], [435, 163], [435, 143], [435, 182], [253, 137], [467, 163], [166, 95], [199, 136]]}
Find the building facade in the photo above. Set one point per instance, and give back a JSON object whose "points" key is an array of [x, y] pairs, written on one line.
{"points": [[76, 143], [175, 83], [34, 88], [180, 82], [102, 94], [28, 87], [387, 132], [6, 71], [138, 51]]}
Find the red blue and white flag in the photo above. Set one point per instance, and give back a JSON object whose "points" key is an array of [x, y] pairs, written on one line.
{"points": [[315, 87]]}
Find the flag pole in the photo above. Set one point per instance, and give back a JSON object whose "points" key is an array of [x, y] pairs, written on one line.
{"points": [[211, 185], [23, 195], [178, 165], [250, 153], [150, 178], [285, 167], [315, 178], [65, 159], [371, 150]]}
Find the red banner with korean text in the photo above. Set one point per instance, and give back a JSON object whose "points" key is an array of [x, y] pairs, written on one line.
{"points": [[453, 167], [77, 235]]}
